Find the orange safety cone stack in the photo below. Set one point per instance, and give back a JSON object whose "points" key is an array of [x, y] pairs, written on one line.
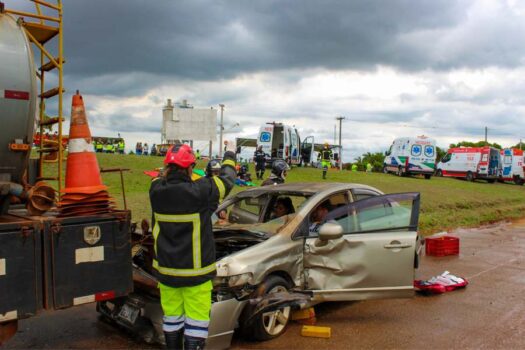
{"points": [[84, 193]]}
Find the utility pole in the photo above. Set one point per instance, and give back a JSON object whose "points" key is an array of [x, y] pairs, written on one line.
{"points": [[340, 145], [486, 132], [335, 133], [222, 128]]}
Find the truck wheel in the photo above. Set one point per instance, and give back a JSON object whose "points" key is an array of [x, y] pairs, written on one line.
{"points": [[491, 181], [400, 172], [428, 176], [470, 176], [439, 173], [518, 181], [270, 324]]}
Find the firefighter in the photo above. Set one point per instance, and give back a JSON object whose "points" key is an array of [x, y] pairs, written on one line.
{"points": [[279, 172], [325, 156], [184, 244], [213, 168], [259, 157]]}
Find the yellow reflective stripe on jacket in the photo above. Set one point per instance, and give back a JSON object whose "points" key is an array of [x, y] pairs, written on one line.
{"points": [[196, 234], [229, 162], [220, 186], [183, 272], [156, 230]]}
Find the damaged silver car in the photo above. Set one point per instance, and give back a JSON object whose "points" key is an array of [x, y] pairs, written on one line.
{"points": [[286, 247]]}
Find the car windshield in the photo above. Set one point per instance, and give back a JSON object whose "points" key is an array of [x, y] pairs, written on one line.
{"points": [[268, 214]]}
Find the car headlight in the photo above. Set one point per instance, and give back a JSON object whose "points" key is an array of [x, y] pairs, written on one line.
{"points": [[240, 280]]}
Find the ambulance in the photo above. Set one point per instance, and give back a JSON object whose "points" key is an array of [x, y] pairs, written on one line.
{"points": [[512, 165], [280, 141], [471, 163], [411, 156]]}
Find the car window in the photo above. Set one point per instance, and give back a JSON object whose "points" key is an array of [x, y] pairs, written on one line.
{"points": [[243, 211], [379, 213], [336, 203], [446, 158]]}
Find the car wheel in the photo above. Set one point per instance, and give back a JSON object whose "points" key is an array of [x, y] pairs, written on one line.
{"points": [[428, 176], [270, 324], [518, 181], [470, 176], [439, 173]]}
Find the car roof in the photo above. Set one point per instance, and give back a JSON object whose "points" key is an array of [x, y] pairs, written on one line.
{"points": [[305, 188]]}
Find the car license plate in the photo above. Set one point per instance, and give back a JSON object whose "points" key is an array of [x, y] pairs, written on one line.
{"points": [[128, 313]]}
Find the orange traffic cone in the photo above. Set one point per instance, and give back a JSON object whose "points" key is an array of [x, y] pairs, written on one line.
{"points": [[82, 172], [84, 193]]}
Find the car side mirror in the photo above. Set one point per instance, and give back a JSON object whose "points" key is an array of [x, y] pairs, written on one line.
{"points": [[329, 231]]}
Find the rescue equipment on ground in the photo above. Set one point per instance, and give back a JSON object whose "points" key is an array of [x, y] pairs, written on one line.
{"points": [[446, 282]]}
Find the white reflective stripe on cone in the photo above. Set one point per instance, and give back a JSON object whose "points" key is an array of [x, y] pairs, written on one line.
{"points": [[80, 145]]}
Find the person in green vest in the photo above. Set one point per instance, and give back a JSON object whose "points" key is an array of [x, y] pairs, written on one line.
{"points": [[105, 148], [99, 147], [368, 167], [121, 146], [325, 157], [354, 167]]}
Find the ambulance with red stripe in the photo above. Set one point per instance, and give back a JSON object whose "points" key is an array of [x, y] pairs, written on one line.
{"points": [[411, 156], [471, 163], [512, 165]]}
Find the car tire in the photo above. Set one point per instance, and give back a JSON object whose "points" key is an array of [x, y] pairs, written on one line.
{"points": [[271, 324], [470, 176], [518, 181], [428, 176], [439, 173]]}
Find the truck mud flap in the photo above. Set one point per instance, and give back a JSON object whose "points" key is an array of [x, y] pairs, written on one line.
{"points": [[88, 259], [20, 274]]}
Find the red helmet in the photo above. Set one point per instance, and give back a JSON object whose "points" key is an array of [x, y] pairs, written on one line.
{"points": [[181, 155]]}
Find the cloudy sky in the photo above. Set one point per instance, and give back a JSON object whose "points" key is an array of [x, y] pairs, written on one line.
{"points": [[446, 69]]}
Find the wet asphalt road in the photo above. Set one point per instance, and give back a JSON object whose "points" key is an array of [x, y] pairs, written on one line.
{"points": [[488, 314]]}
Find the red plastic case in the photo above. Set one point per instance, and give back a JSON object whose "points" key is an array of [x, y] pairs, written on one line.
{"points": [[442, 245]]}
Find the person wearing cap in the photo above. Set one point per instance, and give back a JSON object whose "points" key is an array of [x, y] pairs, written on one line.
{"points": [[279, 171], [259, 157], [184, 243], [325, 156]]}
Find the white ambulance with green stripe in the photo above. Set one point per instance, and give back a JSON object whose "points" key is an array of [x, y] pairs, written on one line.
{"points": [[411, 156]]}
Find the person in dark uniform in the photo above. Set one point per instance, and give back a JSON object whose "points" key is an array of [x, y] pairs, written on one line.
{"points": [[259, 157], [279, 172]]}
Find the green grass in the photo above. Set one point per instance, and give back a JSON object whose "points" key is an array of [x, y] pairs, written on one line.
{"points": [[445, 203]]}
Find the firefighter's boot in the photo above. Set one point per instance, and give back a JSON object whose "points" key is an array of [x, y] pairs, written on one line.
{"points": [[324, 174], [174, 340], [194, 343]]}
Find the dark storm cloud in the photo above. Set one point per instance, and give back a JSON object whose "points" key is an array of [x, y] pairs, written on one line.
{"points": [[209, 40]]}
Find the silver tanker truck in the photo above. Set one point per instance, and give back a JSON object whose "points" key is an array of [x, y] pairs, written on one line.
{"points": [[39, 252]]}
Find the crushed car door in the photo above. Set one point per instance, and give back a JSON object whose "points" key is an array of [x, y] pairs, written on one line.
{"points": [[374, 257]]}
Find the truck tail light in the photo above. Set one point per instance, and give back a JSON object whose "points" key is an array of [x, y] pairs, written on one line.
{"points": [[105, 295]]}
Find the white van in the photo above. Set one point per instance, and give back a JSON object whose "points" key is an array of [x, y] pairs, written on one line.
{"points": [[411, 156], [512, 166], [280, 141]]}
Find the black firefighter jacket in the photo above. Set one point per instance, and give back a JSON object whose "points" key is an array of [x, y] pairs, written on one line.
{"points": [[182, 227]]}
